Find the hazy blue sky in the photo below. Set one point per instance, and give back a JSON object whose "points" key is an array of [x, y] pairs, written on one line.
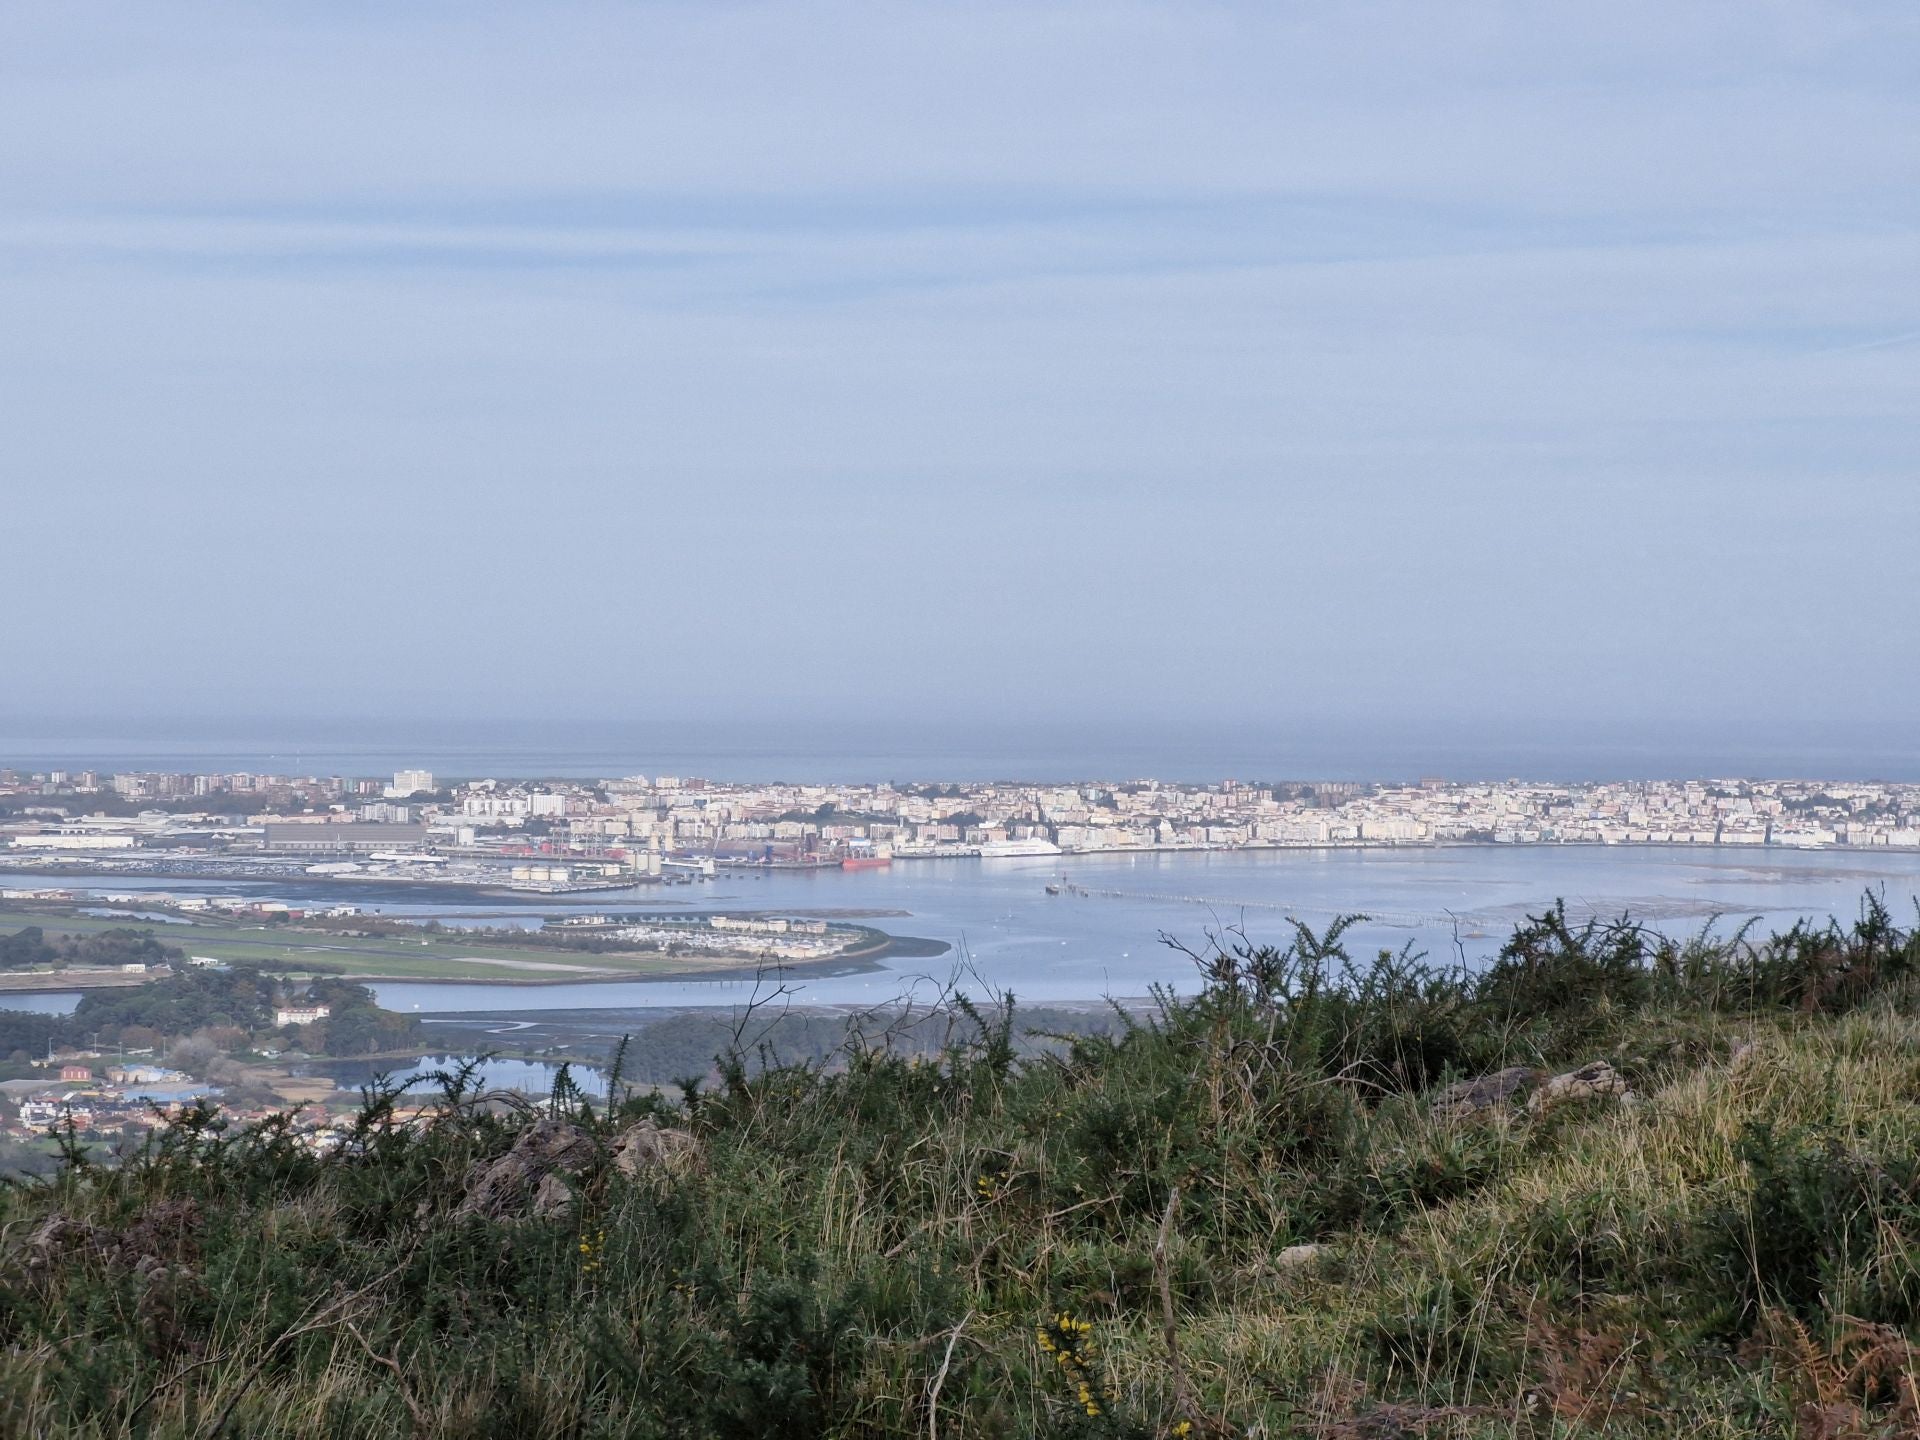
{"points": [[1501, 364]]}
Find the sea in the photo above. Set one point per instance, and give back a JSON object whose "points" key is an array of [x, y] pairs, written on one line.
{"points": [[936, 749]]}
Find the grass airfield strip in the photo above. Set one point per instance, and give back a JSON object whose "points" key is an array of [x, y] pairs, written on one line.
{"points": [[391, 957]]}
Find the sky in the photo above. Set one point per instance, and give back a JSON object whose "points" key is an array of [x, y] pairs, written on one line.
{"points": [[1490, 368]]}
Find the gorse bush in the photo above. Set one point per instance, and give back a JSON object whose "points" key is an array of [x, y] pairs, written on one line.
{"points": [[1823, 1224], [1236, 1212]]}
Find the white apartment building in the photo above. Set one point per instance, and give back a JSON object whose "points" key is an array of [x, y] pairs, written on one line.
{"points": [[410, 782]]}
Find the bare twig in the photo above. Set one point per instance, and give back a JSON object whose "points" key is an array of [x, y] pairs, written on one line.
{"points": [[1053, 1215], [421, 1421], [762, 997], [316, 1317], [940, 1378], [512, 1099], [1182, 1391]]}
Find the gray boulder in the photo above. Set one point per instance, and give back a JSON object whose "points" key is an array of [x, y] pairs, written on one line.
{"points": [[1596, 1080], [1299, 1257], [649, 1145], [518, 1182], [1469, 1097]]}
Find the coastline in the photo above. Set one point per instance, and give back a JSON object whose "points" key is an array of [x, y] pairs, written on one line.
{"points": [[865, 964], [864, 961], [47, 982], [85, 871], [861, 961]]}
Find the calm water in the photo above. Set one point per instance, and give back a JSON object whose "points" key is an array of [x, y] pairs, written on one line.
{"points": [[531, 1076], [1007, 933], [42, 1002]]}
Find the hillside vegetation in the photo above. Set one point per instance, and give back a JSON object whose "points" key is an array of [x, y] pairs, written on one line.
{"points": [[231, 1009], [1264, 1210]]}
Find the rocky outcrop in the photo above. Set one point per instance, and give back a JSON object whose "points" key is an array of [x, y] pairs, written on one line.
{"points": [[534, 1179], [527, 1179], [1488, 1092], [1596, 1080], [650, 1145], [162, 1239]]}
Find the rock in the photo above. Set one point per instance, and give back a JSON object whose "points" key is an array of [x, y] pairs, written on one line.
{"points": [[1594, 1080], [57, 1238], [1468, 1097], [160, 1242], [517, 1181], [531, 1179], [1299, 1257], [552, 1197], [648, 1146]]}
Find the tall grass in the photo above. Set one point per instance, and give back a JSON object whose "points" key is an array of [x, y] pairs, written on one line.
{"points": [[1102, 1237]]}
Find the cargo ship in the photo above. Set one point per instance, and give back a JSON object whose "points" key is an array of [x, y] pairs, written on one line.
{"points": [[867, 860]]}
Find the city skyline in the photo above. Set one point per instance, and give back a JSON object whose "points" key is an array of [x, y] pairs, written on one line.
{"points": [[629, 819]]}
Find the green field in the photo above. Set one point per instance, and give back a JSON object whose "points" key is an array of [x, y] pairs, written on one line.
{"points": [[391, 957]]}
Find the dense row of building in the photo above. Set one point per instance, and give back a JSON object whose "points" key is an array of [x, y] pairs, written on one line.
{"points": [[558, 833]]}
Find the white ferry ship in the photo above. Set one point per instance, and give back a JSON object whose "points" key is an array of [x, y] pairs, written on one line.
{"points": [[999, 849]]}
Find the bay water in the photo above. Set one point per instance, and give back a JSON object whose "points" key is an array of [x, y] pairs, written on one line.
{"points": [[1102, 934]]}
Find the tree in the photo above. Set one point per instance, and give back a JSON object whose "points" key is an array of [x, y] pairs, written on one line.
{"points": [[24, 948]]}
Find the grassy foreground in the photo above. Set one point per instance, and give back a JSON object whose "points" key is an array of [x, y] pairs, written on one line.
{"points": [[1096, 1240]]}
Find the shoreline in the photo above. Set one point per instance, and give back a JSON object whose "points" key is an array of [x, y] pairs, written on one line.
{"points": [[810, 969], [864, 961], [814, 969], [533, 897], [60, 981], [860, 962]]}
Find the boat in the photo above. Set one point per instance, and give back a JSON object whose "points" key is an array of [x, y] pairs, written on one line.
{"points": [[999, 849], [865, 862]]}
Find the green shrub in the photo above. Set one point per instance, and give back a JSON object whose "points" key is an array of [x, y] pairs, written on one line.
{"points": [[1824, 1228], [870, 1244]]}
